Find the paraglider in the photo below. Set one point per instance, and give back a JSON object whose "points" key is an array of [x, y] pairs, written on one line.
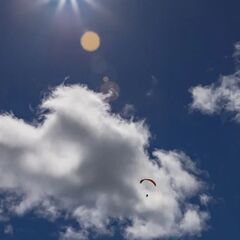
{"points": [[150, 180]]}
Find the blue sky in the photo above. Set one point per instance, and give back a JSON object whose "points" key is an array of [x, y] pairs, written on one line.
{"points": [[156, 51]]}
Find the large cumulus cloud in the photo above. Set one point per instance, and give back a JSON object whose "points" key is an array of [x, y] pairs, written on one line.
{"points": [[84, 160]]}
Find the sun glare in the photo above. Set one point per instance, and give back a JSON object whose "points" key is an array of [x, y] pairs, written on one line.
{"points": [[62, 3], [73, 3]]}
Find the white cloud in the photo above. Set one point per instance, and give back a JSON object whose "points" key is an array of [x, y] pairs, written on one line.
{"points": [[205, 199], [223, 96], [86, 161], [8, 229], [219, 97], [72, 234], [193, 221], [152, 90], [110, 89], [128, 111]]}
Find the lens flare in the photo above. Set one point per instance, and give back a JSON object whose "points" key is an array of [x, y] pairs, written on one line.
{"points": [[73, 3], [90, 41], [62, 3]]}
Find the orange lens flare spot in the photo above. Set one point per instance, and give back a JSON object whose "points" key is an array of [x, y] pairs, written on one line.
{"points": [[90, 41]]}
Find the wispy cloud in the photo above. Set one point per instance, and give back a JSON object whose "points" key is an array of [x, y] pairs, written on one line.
{"points": [[152, 90], [219, 97], [8, 229], [128, 111]]}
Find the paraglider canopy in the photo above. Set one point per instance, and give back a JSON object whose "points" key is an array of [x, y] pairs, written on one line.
{"points": [[150, 180]]}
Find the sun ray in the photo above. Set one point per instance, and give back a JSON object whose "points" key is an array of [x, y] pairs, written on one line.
{"points": [[61, 5], [75, 5], [44, 1]]}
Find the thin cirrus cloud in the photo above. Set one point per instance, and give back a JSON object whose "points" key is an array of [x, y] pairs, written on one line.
{"points": [[86, 162], [8, 229], [222, 96]]}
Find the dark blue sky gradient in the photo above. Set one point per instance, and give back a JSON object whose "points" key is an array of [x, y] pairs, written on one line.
{"points": [[180, 43]]}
